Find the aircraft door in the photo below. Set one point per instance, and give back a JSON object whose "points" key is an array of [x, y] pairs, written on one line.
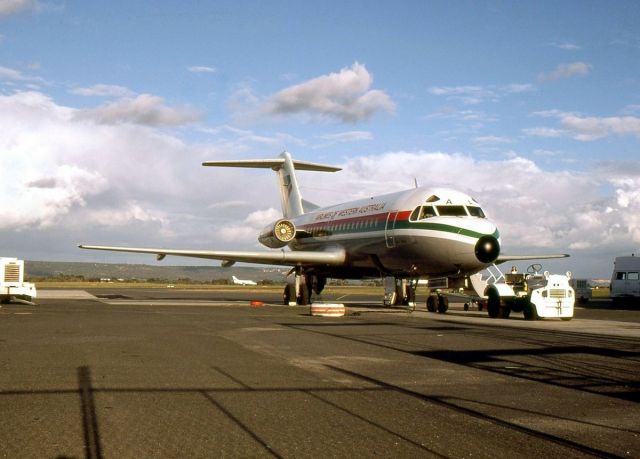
{"points": [[389, 229]]}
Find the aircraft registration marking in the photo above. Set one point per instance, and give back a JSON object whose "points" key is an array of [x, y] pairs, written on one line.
{"points": [[351, 211]]}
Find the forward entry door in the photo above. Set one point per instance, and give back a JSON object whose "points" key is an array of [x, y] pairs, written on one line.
{"points": [[389, 229]]}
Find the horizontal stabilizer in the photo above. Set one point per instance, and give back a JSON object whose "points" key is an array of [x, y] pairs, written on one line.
{"points": [[274, 164]]}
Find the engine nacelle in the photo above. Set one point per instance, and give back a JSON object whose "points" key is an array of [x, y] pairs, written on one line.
{"points": [[278, 234]]}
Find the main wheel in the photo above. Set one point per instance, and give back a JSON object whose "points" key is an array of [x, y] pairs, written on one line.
{"points": [[318, 284], [431, 303], [411, 295], [286, 294], [305, 295]]}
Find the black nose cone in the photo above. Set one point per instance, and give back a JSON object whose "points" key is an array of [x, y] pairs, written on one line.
{"points": [[487, 249]]}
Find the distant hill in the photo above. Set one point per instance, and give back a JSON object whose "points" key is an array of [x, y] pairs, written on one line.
{"points": [[49, 269]]}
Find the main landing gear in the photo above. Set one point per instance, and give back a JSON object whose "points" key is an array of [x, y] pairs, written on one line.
{"points": [[437, 302], [300, 287]]}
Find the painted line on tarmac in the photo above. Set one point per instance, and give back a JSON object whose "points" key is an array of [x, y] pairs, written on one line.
{"points": [[171, 303]]}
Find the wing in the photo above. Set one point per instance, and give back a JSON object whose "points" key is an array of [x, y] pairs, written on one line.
{"points": [[505, 258], [275, 257]]}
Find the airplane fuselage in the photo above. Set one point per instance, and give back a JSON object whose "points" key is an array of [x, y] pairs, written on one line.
{"points": [[423, 232]]}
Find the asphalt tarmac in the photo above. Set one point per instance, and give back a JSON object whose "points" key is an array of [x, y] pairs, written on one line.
{"points": [[142, 373]]}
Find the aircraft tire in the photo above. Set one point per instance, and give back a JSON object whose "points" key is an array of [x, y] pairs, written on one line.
{"points": [[303, 298], [443, 304], [286, 295], [431, 303], [318, 283], [411, 297]]}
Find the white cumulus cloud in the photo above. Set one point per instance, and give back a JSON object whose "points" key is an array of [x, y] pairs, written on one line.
{"points": [[563, 71], [345, 96], [8, 7], [476, 94], [591, 128], [201, 69], [248, 230], [586, 128], [103, 90], [350, 136], [55, 164], [144, 109]]}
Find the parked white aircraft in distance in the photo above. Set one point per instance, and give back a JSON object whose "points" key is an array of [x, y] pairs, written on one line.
{"points": [[421, 233], [237, 281]]}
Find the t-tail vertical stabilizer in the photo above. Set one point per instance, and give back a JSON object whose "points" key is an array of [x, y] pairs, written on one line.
{"points": [[285, 167]]}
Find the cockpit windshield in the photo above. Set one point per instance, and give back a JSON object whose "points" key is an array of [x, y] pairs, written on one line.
{"points": [[451, 211], [424, 212], [476, 212]]}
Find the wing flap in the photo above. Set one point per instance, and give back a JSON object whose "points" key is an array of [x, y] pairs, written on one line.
{"points": [[276, 257]]}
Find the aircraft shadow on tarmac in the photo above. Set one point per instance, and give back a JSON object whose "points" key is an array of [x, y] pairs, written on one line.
{"points": [[615, 374], [93, 441], [536, 365]]}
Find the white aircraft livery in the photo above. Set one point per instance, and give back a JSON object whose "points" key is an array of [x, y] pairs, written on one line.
{"points": [[421, 233]]}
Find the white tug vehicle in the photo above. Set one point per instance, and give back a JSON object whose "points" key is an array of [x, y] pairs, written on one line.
{"points": [[537, 295], [12, 284]]}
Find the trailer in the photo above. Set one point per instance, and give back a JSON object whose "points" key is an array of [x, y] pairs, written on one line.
{"points": [[12, 284], [536, 294], [582, 290], [625, 280]]}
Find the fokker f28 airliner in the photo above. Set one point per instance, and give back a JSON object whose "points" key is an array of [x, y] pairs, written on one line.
{"points": [[421, 233]]}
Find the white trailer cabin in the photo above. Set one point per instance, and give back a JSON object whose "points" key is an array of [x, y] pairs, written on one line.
{"points": [[582, 289], [625, 280], [12, 284]]}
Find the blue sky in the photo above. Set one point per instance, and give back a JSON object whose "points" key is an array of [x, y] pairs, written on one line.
{"points": [[108, 109]]}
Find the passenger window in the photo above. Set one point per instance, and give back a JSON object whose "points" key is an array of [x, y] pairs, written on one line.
{"points": [[621, 276], [632, 276]]}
